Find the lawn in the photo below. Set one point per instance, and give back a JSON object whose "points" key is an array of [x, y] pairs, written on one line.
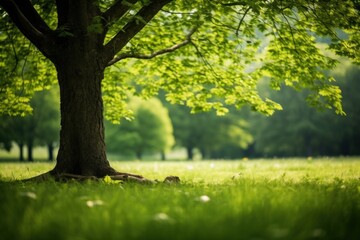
{"points": [[256, 199]]}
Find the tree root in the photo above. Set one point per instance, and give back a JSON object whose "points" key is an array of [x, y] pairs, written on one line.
{"points": [[124, 177]]}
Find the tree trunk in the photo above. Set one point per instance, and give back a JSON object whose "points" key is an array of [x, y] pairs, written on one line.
{"points": [[50, 147], [139, 155], [30, 150], [204, 154], [163, 155], [82, 146], [21, 152], [190, 153]]}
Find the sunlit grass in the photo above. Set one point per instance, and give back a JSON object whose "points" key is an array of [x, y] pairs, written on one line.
{"points": [[262, 199]]}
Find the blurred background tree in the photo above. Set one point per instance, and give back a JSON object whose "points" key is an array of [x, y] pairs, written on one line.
{"points": [[149, 132], [41, 127], [212, 135], [47, 110]]}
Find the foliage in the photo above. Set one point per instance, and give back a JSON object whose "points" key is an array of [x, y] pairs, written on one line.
{"points": [[227, 47], [23, 71], [235, 45], [150, 132], [295, 199]]}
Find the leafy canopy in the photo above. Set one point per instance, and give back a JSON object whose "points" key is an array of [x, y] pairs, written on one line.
{"points": [[204, 54]]}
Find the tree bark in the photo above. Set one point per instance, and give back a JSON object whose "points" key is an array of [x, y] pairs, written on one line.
{"points": [[82, 146]]}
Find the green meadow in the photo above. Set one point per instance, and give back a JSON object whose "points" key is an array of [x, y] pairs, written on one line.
{"points": [[254, 199]]}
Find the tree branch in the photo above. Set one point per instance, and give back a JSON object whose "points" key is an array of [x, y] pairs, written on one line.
{"points": [[32, 15], [154, 54], [117, 10], [134, 26], [206, 62], [20, 20], [241, 21], [240, 3], [22, 16]]}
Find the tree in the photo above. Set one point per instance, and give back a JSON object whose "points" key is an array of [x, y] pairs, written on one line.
{"points": [[202, 51], [234, 137], [294, 131], [209, 133], [186, 128], [150, 131], [154, 127], [46, 110], [40, 127], [21, 130]]}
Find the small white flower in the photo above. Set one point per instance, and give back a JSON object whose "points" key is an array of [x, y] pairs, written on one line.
{"points": [[161, 217], [91, 203], [204, 198], [28, 195], [190, 167]]}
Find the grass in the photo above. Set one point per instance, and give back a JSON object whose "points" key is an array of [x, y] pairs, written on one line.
{"points": [[262, 199]]}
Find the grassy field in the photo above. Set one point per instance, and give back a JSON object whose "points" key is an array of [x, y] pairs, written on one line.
{"points": [[257, 199]]}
